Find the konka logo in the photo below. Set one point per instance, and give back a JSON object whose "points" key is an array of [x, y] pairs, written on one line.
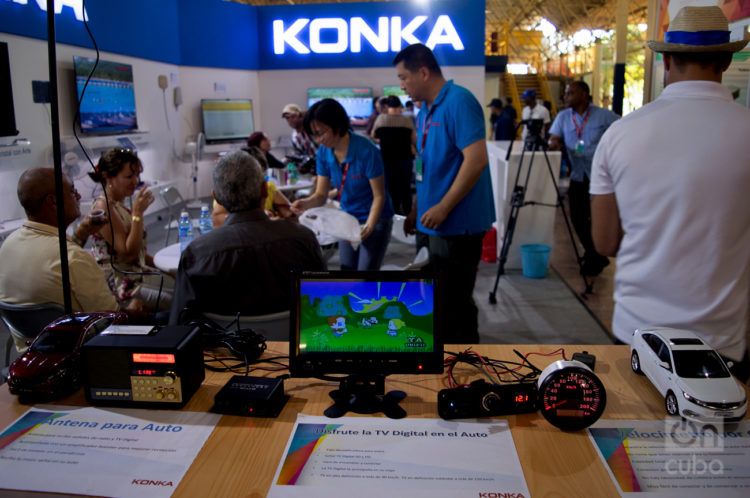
{"points": [[149, 482], [500, 494]]}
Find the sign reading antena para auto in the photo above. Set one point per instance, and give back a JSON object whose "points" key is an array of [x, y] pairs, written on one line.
{"points": [[369, 34]]}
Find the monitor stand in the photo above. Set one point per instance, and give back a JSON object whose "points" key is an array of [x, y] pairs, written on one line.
{"points": [[365, 394]]}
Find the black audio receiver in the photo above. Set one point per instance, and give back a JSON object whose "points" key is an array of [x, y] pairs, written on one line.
{"points": [[153, 368], [481, 399]]}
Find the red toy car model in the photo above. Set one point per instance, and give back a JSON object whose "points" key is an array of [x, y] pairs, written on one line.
{"points": [[51, 367]]}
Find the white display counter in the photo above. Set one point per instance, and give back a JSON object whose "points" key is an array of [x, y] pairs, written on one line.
{"points": [[535, 223]]}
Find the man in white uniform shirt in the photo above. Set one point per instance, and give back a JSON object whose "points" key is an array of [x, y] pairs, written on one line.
{"points": [[670, 196], [534, 110]]}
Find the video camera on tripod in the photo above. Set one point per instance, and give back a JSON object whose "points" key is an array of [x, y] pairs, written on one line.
{"points": [[533, 143], [534, 127]]}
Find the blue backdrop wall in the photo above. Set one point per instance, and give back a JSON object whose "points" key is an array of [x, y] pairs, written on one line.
{"points": [[217, 33]]}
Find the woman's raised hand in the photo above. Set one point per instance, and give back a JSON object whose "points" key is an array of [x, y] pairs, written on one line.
{"points": [[143, 199]]}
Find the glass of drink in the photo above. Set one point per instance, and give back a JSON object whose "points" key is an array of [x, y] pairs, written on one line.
{"points": [[98, 217]]}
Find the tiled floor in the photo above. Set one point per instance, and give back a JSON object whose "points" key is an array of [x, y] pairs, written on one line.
{"points": [[600, 302]]}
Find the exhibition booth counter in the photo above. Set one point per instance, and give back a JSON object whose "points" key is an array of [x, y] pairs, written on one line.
{"points": [[241, 454]]}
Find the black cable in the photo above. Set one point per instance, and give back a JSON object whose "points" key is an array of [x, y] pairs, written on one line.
{"points": [[244, 346], [76, 119], [498, 367]]}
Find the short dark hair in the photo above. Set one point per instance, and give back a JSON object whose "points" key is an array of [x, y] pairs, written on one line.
{"points": [[393, 102], [112, 162], [718, 61], [581, 85], [417, 56], [255, 139], [330, 113]]}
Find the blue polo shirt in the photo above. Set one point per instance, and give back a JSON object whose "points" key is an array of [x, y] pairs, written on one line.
{"points": [[454, 121], [591, 132], [365, 163]]}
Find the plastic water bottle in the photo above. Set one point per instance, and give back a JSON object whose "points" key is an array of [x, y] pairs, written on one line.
{"points": [[185, 230], [205, 223], [292, 173]]}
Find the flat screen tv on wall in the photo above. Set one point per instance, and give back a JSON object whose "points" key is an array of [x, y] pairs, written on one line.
{"points": [[7, 110], [356, 101], [108, 106], [227, 120], [396, 90]]}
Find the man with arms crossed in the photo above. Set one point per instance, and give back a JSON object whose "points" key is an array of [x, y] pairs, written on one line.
{"points": [[669, 196], [454, 192]]}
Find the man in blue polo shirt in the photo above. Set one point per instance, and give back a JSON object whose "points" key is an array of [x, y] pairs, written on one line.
{"points": [[454, 205], [579, 129]]}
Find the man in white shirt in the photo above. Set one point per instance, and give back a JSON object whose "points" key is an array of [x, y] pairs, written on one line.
{"points": [[534, 110], [669, 196]]}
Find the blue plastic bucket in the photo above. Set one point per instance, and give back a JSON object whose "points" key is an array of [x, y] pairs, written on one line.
{"points": [[534, 260]]}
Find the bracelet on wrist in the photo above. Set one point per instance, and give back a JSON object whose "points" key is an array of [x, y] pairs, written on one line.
{"points": [[136, 218]]}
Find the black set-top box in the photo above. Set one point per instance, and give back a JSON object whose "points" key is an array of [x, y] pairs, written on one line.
{"points": [[146, 367]]}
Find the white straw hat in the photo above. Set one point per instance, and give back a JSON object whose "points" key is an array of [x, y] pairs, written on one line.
{"points": [[698, 29]]}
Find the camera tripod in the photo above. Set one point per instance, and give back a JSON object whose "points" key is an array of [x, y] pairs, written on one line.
{"points": [[533, 143]]}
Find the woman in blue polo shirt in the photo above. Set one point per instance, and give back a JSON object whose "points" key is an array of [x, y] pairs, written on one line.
{"points": [[353, 165]]}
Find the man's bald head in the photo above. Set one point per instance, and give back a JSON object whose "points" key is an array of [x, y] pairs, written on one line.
{"points": [[33, 188], [36, 193]]}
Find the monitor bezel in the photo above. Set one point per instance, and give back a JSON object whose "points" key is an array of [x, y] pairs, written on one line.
{"points": [[100, 130], [352, 119], [236, 138], [317, 364]]}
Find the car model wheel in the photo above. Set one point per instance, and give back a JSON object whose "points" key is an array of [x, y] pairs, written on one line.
{"points": [[635, 363], [670, 403]]}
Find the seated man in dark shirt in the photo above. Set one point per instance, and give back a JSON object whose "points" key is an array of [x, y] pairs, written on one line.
{"points": [[245, 266]]}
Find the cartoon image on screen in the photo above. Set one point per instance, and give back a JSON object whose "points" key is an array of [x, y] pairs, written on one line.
{"points": [[366, 316]]}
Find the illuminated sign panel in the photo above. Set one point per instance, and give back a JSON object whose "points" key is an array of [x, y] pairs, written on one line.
{"points": [[368, 34], [241, 36], [75, 5], [348, 35]]}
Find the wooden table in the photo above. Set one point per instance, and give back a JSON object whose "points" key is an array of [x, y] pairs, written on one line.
{"points": [[241, 456]]}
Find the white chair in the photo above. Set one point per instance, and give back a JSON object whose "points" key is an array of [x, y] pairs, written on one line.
{"points": [[419, 261], [174, 202], [397, 231], [274, 326]]}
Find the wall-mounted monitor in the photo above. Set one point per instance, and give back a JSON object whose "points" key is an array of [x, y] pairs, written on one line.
{"points": [[366, 325], [227, 120], [7, 109], [108, 106], [396, 90], [356, 101]]}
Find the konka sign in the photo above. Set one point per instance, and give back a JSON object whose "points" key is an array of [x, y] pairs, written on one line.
{"points": [[348, 34], [369, 34]]}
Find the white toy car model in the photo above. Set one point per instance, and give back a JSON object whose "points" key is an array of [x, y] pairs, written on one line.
{"points": [[692, 377]]}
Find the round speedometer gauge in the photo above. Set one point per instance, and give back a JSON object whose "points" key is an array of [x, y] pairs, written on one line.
{"points": [[571, 397]]}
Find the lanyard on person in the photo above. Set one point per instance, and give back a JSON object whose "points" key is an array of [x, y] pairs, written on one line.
{"points": [[579, 129], [418, 163], [580, 144], [344, 171]]}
